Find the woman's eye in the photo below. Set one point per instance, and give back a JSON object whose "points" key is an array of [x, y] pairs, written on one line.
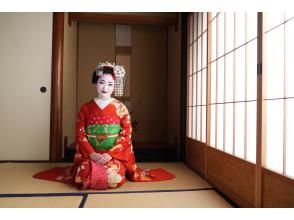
{"points": [[110, 84], [101, 83]]}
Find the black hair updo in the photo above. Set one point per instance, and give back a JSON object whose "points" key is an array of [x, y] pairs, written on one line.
{"points": [[106, 70]]}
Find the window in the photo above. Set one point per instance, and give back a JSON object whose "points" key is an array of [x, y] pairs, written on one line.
{"points": [[279, 93], [233, 83], [197, 72], [232, 64]]}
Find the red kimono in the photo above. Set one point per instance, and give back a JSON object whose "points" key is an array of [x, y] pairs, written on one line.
{"points": [[106, 130]]}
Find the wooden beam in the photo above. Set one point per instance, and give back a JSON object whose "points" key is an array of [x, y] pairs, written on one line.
{"points": [[183, 110], [56, 88], [122, 18]]}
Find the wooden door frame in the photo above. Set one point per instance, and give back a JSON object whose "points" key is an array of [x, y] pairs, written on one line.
{"points": [[123, 18], [56, 87]]}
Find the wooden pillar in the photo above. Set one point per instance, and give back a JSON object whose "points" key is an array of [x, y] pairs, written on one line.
{"points": [[56, 88], [260, 114], [182, 151]]}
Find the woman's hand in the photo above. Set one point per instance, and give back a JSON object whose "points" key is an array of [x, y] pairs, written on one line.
{"points": [[95, 156], [105, 157]]}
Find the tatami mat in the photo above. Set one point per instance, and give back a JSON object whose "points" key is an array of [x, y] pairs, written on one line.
{"points": [[191, 199], [41, 202], [20, 189], [18, 179]]}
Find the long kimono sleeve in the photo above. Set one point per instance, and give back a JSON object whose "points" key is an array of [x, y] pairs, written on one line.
{"points": [[84, 146], [122, 148]]}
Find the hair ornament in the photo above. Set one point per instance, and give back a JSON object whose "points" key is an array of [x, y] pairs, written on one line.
{"points": [[116, 70]]}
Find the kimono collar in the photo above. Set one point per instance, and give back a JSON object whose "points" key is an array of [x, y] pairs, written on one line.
{"points": [[103, 103]]}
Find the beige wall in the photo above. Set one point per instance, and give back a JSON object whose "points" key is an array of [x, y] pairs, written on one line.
{"points": [[25, 66], [173, 86], [96, 43], [69, 80], [148, 88], [154, 104]]}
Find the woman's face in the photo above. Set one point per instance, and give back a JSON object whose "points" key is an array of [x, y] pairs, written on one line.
{"points": [[105, 86]]}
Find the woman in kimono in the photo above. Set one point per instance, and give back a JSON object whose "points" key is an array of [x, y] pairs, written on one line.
{"points": [[104, 155]]}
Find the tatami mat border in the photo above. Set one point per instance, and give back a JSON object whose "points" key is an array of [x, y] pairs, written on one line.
{"points": [[88, 193], [85, 194], [83, 202]]}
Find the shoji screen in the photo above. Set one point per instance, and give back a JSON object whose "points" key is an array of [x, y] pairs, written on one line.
{"points": [[233, 83], [190, 44], [278, 72], [197, 72]]}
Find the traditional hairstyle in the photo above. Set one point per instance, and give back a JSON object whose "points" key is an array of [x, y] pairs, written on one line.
{"points": [[118, 72]]}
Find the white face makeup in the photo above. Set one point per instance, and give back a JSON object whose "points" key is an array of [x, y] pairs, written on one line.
{"points": [[105, 86]]}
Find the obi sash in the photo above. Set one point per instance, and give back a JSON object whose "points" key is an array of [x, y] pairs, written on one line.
{"points": [[102, 136]]}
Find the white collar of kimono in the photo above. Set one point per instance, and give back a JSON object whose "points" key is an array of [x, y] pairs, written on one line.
{"points": [[103, 103]]}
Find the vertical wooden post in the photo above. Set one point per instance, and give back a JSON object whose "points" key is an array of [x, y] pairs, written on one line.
{"points": [[260, 110], [182, 150], [208, 91], [56, 88]]}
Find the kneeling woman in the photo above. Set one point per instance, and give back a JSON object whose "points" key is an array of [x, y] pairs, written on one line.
{"points": [[104, 155]]}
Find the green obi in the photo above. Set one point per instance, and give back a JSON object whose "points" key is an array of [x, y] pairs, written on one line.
{"points": [[102, 136]]}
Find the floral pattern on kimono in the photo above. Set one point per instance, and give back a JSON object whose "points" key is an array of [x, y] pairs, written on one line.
{"points": [[106, 130]]}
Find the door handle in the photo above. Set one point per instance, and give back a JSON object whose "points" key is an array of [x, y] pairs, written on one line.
{"points": [[43, 89]]}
